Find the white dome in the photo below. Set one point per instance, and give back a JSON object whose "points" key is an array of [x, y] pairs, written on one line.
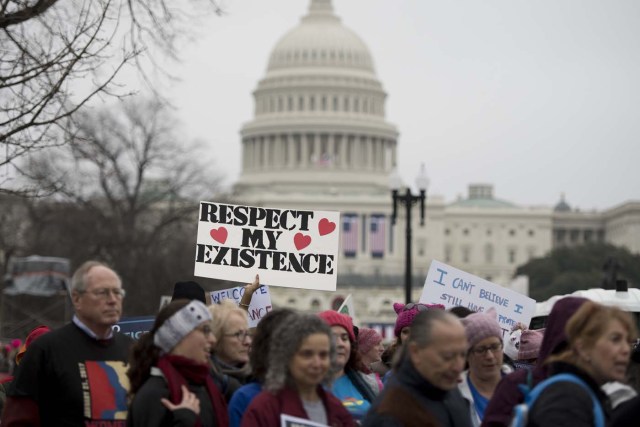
{"points": [[319, 119], [321, 40]]}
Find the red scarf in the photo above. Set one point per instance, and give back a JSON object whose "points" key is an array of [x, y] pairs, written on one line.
{"points": [[178, 370]]}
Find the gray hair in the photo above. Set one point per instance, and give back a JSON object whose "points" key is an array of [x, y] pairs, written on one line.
{"points": [[422, 326], [78, 282], [286, 341]]}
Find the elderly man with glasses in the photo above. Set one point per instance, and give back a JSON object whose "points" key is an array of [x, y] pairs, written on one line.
{"points": [[75, 375]]}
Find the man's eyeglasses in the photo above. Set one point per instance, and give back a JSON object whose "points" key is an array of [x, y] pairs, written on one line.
{"points": [[240, 335], [493, 348], [418, 306], [105, 293]]}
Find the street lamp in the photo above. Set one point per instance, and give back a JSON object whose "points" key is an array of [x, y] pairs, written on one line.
{"points": [[408, 199]]}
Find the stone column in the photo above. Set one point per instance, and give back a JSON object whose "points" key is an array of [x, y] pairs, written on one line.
{"points": [[331, 150], [369, 148], [304, 148]]}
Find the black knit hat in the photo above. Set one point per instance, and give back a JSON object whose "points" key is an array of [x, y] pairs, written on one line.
{"points": [[188, 290]]}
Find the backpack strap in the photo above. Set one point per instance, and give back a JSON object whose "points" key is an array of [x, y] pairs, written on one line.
{"points": [[598, 414]]}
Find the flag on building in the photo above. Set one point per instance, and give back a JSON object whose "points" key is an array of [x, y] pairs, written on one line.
{"points": [[377, 233], [324, 160], [350, 234]]}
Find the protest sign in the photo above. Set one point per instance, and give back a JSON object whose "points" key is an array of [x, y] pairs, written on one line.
{"points": [[286, 247], [134, 326], [260, 301], [291, 421], [451, 287]]}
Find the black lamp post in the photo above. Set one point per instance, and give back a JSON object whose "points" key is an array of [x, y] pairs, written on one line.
{"points": [[408, 199]]}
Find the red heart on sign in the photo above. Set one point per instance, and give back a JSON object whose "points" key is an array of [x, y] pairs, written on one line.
{"points": [[326, 227], [219, 234], [301, 241]]}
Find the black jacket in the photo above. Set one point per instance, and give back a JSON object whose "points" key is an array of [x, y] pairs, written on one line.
{"points": [[568, 404], [410, 400]]}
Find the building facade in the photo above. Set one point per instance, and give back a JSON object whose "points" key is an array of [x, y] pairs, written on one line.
{"points": [[319, 140]]}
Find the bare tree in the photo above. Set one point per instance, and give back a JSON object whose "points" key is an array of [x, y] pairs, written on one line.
{"points": [[126, 191], [57, 55]]}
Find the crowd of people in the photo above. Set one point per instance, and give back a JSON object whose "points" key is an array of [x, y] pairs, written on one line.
{"points": [[201, 365]]}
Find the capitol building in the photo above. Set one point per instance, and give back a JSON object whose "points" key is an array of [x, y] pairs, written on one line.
{"points": [[319, 140]]}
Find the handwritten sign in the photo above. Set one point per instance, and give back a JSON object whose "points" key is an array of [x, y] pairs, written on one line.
{"points": [[291, 421], [451, 287], [287, 247], [258, 308]]}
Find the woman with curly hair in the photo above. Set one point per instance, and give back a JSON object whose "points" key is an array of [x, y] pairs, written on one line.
{"points": [[169, 371], [300, 361]]}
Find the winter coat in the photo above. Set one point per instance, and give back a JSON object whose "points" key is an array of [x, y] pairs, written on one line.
{"points": [[410, 400], [568, 404], [266, 408]]}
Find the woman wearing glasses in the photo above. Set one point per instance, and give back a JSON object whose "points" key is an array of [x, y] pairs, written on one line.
{"points": [[231, 355], [485, 361], [169, 371], [299, 363]]}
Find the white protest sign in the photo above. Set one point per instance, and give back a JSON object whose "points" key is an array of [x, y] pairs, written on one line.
{"points": [[286, 247], [291, 421], [451, 287], [258, 308]]}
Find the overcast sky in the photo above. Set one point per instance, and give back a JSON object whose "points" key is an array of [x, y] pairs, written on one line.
{"points": [[535, 97]]}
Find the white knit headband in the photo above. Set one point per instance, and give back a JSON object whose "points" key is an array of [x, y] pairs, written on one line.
{"points": [[183, 321]]}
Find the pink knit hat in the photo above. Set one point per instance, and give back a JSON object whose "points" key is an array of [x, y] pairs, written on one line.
{"points": [[333, 318], [406, 315], [530, 342], [479, 326], [367, 339]]}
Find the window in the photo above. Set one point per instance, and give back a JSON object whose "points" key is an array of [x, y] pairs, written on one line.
{"points": [[465, 231], [447, 231], [466, 254], [447, 254], [512, 256], [512, 232], [531, 233], [488, 253], [335, 103]]}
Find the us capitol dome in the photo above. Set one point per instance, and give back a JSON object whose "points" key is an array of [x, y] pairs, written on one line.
{"points": [[319, 127]]}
